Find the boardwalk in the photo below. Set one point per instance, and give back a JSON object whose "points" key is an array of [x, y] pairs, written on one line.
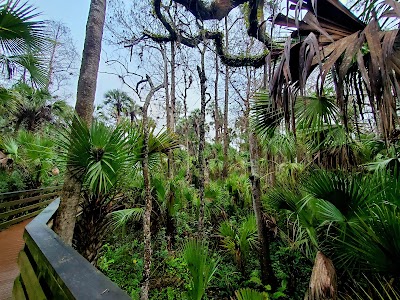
{"points": [[11, 243]]}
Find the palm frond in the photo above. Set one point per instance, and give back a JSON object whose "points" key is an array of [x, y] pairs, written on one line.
{"points": [[98, 155], [372, 243], [201, 267], [19, 31], [265, 118], [249, 294], [119, 218]]}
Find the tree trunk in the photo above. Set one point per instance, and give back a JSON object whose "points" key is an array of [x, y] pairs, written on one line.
{"points": [[166, 85], [52, 56], [148, 198], [201, 161], [216, 106], [226, 103], [267, 275], [148, 209], [66, 215], [173, 90], [171, 109], [188, 82]]}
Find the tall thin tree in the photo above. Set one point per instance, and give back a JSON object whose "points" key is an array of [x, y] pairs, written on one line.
{"points": [[148, 196], [66, 216], [226, 107]]}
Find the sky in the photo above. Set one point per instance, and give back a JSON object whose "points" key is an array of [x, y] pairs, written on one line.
{"points": [[74, 14]]}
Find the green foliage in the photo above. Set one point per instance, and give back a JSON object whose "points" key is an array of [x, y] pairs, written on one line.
{"points": [[379, 289], [201, 267], [239, 240], [97, 155], [119, 218], [22, 37], [12, 181], [292, 269], [249, 294], [123, 264]]}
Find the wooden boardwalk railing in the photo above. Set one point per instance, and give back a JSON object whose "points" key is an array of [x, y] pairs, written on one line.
{"points": [[51, 269], [18, 206]]}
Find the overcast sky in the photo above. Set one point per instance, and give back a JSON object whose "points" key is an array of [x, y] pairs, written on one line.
{"points": [[74, 13]]}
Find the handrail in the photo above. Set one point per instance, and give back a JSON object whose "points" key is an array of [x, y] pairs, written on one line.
{"points": [[7, 195], [59, 272], [22, 205]]}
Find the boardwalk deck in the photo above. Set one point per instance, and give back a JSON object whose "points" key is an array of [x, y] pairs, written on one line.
{"points": [[11, 242]]}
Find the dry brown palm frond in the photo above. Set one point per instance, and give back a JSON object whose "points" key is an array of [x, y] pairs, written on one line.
{"points": [[323, 282], [362, 58], [5, 160]]}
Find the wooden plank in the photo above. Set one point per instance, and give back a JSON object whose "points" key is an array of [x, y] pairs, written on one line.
{"points": [[19, 219], [28, 192], [27, 200], [18, 291], [23, 209], [31, 282]]}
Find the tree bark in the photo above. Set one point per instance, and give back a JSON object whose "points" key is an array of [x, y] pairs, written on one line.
{"points": [[52, 56], [267, 275], [188, 82], [90, 61], [66, 215], [216, 106], [173, 88], [226, 109], [166, 85], [148, 198], [201, 161]]}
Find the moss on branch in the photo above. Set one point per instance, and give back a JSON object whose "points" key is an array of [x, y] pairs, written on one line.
{"points": [[256, 61]]}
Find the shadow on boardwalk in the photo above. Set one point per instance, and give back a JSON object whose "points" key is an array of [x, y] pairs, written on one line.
{"points": [[11, 242]]}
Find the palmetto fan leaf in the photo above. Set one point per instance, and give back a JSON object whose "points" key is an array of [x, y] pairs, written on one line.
{"points": [[300, 212], [201, 267], [372, 243], [316, 113], [249, 294], [239, 239], [121, 217], [265, 118], [340, 195], [19, 32], [96, 155], [22, 40], [381, 290], [32, 62], [159, 143]]}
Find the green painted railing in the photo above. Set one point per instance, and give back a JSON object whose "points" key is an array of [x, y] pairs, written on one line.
{"points": [[50, 269]]}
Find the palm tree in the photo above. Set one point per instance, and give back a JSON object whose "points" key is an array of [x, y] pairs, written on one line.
{"points": [[65, 220], [239, 241], [353, 219], [119, 101], [21, 40], [360, 57], [32, 107], [101, 157]]}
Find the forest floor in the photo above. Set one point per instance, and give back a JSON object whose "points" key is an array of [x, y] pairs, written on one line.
{"points": [[11, 243]]}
